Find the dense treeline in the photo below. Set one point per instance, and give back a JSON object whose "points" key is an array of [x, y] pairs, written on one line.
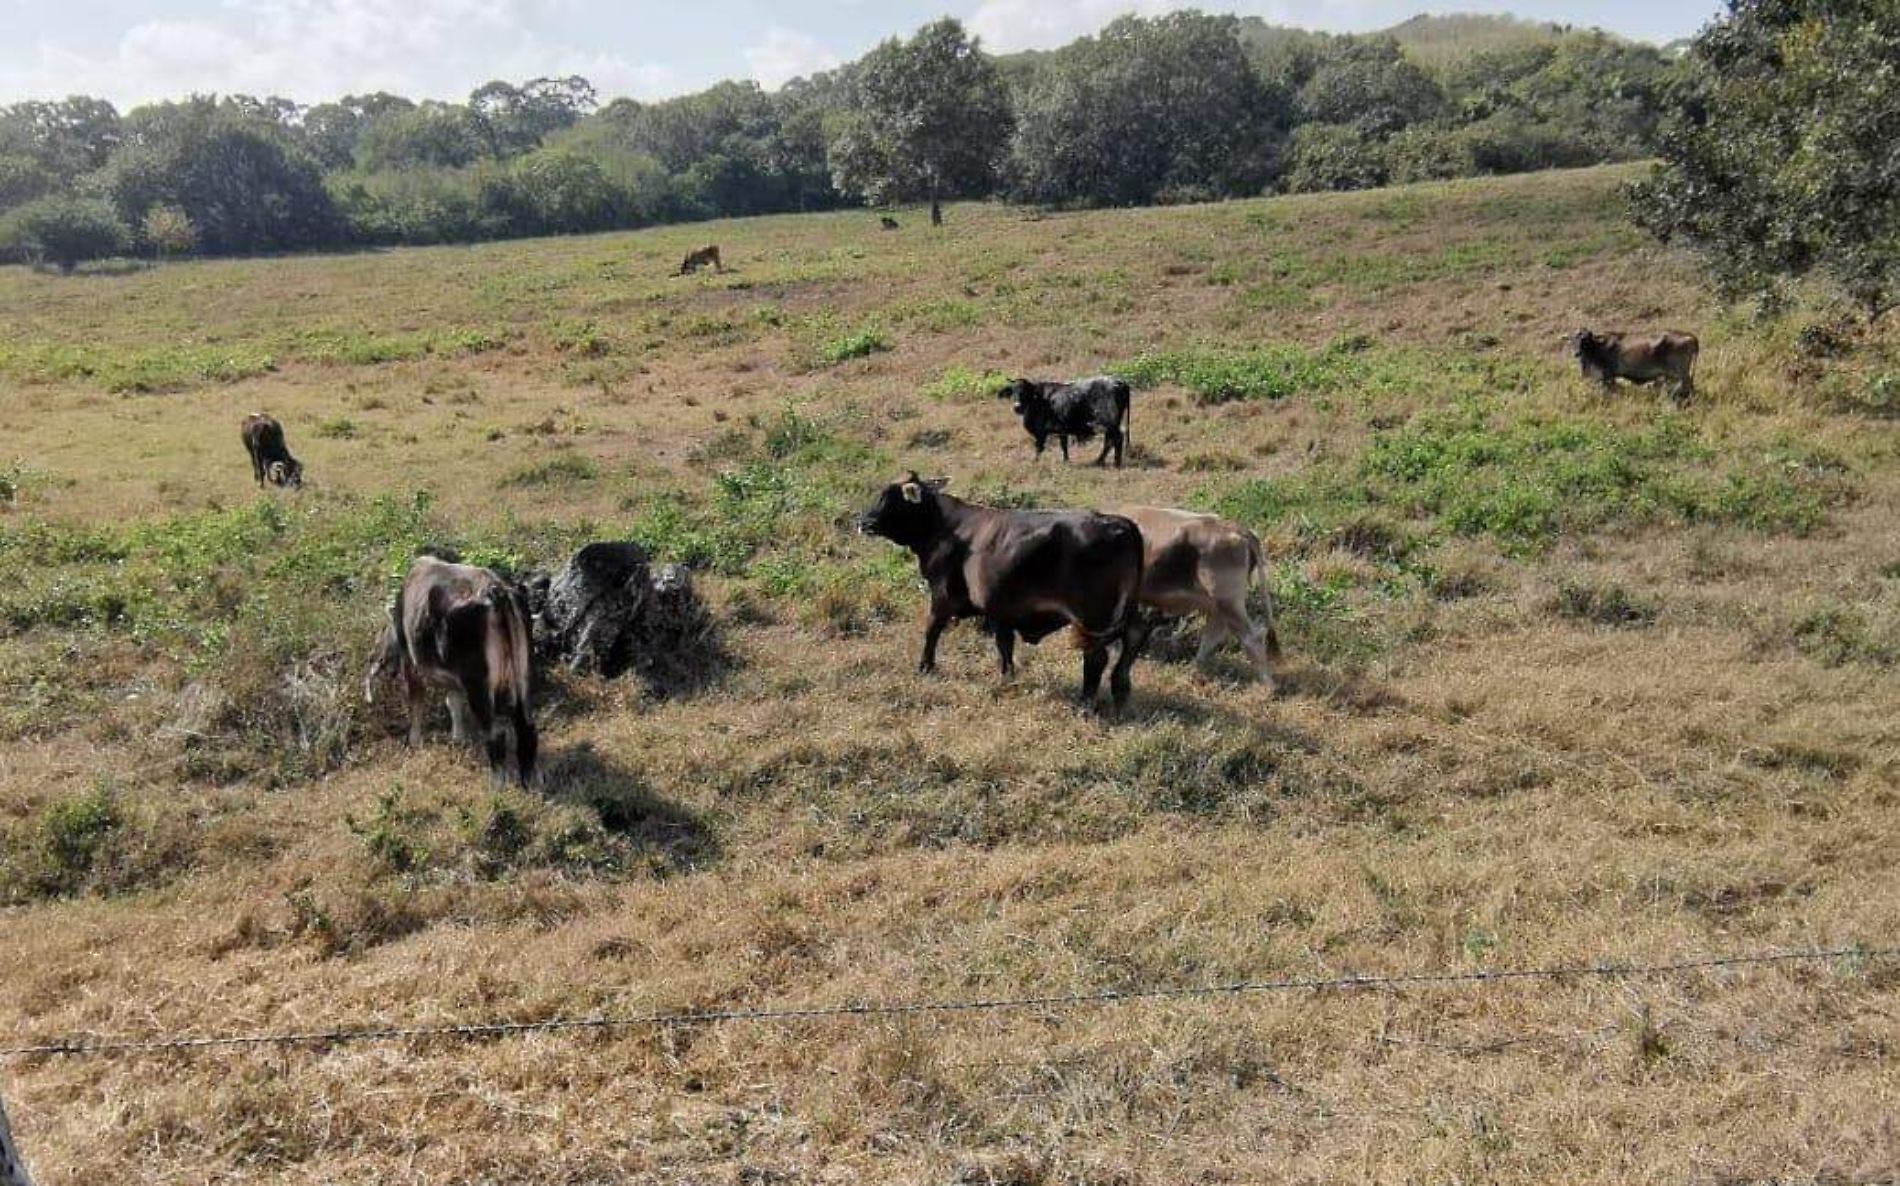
{"points": [[1180, 107]]}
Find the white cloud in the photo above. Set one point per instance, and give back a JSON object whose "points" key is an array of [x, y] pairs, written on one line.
{"points": [[785, 55], [310, 50]]}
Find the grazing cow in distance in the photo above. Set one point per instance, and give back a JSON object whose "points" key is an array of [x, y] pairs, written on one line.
{"points": [[270, 457], [695, 260], [463, 630], [1640, 358], [1079, 409], [888, 223], [1204, 564], [1027, 573]]}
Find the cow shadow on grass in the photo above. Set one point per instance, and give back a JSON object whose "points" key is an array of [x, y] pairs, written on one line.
{"points": [[677, 838]]}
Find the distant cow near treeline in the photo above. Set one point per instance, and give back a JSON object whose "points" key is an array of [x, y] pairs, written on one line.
{"points": [[707, 256], [1640, 358]]}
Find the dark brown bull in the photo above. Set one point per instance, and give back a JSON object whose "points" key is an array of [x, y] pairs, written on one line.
{"points": [[695, 260], [464, 631], [1027, 573], [270, 456], [1640, 358]]}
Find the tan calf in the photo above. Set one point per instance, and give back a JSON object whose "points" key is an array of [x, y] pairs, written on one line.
{"points": [[1204, 564]]}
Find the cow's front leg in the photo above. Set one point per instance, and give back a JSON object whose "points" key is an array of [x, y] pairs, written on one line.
{"points": [[1064, 439], [1042, 442], [1006, 651], [461, 720], [933, 630], [1110, 440]]}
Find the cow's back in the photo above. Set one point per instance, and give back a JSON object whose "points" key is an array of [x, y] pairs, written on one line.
{"points": [[1078, 564], [1189, 555]]}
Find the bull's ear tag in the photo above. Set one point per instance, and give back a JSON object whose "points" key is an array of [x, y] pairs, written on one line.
{"points": [[913, 492]]}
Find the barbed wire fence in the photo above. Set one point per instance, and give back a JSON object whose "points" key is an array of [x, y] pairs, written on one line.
{"points": [[1855, 956]]}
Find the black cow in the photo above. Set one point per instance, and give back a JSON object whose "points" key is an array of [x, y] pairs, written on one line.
{"points": [[270, 456], [887, 222], [463, 631], [1027, 573], [1079, 409], [1640, 358]]}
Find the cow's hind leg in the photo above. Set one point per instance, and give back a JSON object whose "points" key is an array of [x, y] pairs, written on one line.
{"points": [[1110, 440], [1213, 634], [1006, 651], [1094, 663], [527, 745], [1134, 638]]}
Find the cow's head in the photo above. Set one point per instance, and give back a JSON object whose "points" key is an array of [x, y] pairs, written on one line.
{"points": [[285, 473], [1582, 342], [1025, 396], [906, 512]]}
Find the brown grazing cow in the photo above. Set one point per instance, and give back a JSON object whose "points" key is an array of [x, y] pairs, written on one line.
{"points": [[695, 260], [1204, 564], [270, 457], [1640, 358], [1027, 573], [464, 631]]}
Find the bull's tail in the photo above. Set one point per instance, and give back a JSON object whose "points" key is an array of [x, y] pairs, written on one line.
{"points": [[1127, 614], [511, 674], [1126, 399], [1257, 575], [390, 651]]}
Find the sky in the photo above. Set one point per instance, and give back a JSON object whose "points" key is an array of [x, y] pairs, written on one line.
{"points": [[310, 50]]}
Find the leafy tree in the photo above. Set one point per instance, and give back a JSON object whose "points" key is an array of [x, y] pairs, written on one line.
{"points": [[333, 131], [63, 230], [239, 177], [431, 135], [1778, 158], [1147, 110], [1335, 156], [927, 118], [22, 179], [1370, 84], [66, 138], [168, 231], [515, 119]]}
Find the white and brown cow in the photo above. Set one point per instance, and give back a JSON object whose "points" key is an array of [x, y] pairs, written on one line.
{"points": [[1204, 564], [463, 630]]}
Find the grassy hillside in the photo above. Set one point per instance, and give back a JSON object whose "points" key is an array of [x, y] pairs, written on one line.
{"points": [[1570, 678]]}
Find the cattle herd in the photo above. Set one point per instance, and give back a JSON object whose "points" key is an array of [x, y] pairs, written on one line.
{"points": [[1106, 577]]}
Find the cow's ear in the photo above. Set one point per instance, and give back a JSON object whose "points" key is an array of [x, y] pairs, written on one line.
{"points": [[913, 491]]}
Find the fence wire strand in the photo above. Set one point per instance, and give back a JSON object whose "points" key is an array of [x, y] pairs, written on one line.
{"points": [[81, 1048]]}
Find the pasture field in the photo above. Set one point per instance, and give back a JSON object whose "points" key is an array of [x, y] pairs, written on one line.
{"points": [[1570, 678]]}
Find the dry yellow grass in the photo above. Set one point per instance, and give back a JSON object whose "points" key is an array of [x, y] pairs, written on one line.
{"points": [[1636, 738]]}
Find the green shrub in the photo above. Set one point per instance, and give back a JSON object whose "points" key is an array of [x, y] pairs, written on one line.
{"points": [[560, 469], [1267, 372], [65, 231], [861, 343], [1604, 604], [961, 383]]}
